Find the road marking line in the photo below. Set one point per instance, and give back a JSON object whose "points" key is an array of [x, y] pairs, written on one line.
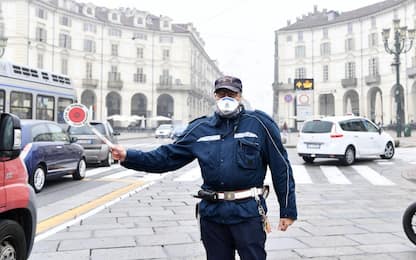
{"points": [[334, 175], [372, 176], [301, 175], [191, 175], [101, 170], [121, 174], [385, 163], [80, 210]]}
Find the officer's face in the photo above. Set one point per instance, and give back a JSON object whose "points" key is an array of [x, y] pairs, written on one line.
{"points": [[227, 93]]}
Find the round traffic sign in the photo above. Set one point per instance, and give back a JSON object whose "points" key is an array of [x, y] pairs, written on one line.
{"points": [[76, 115], [303, 99], [288, 98]]}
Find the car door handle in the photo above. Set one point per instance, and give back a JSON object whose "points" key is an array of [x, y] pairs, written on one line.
{"points": [[59, 146]]}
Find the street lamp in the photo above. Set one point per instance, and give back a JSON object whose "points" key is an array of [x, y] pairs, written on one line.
{"points": [[401, 35]]}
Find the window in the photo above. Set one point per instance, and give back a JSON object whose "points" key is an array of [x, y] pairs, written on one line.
{"points": [[325, 49], [349, 28], [374, 23], [64, 66], [2, 101], [89, 10], [325, 72], [139, 52], [300, 73], [369, 126], [45, 107], [317, 127], [349, 44], [139, 20], [40, 61], [65, 21], [89, 45], [114, 75], [139, 76], [21, 104], [90, 27], [165, 78], [166, 54], [353, 126], [300, 52], [114, 49], [62, 104], [372, 40], [114, 32], [373, 66], [140, 36], [40, 133], [65, 40], [350, 70], [289, 38], [300, 36], [325, 33], [57, 133], [166, 39], [114, 17], [41, 34], [41, 13], [88, 70]]}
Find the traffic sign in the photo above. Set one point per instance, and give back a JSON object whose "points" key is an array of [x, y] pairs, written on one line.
{"points": [[76, 115], [303, 84], [288, 98]]}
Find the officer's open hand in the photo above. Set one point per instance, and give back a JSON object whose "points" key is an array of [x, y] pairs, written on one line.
{"points": [[284, 223], [119, 152]]}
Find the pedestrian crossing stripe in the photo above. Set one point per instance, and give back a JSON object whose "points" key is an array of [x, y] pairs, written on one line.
{"points": [[332, 173]]}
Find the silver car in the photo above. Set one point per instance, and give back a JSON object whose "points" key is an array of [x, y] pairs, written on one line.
{"points": [[96, 151]]}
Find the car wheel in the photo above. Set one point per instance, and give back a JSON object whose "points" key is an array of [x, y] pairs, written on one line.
{"points": [[79, 174], [349, 157], [38, 178], [109, 161], [308, 159], [388, 151], [12, 240]]}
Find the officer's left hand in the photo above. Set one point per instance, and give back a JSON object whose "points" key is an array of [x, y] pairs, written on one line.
{"points": [[284, 223]]}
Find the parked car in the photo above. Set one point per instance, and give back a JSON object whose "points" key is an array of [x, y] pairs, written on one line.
{"points": [[48, 152], [177, 131], [164, 130], [345, 138], [96, 151], [18, 216]]}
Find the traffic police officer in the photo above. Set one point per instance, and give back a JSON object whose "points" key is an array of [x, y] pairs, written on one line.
{"points": [[234, 146]]}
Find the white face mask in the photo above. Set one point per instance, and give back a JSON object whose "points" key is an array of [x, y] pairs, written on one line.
{"points": [[228, 107]]}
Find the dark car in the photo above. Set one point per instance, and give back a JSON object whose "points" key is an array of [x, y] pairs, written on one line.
{"points": [[48, 152], [18, 211], [96, 151]]}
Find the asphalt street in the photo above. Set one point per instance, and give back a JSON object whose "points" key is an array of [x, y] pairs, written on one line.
{"points": [[349, 212]]}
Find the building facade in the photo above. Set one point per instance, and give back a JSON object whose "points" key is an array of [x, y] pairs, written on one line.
{"points": [[121, 61], [345, 56]]}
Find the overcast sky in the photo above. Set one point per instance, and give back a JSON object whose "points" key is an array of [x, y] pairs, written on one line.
{"points": [[239, 34]]}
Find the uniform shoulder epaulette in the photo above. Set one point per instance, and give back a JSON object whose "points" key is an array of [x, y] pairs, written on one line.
{"points": [[196, 119]]}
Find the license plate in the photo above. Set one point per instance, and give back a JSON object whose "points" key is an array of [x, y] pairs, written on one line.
{"points": [[313, 146], [84, 141]]}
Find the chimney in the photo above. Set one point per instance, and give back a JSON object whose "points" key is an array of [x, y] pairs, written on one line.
{"points": [[315, 9]]}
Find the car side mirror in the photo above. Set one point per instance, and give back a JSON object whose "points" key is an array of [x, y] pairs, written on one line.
{"points": [[73, 139], [10, 137], [116, 133]]}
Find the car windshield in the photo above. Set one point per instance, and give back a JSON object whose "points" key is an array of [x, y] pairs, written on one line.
{"points": [[85, 130], [315, 127]]}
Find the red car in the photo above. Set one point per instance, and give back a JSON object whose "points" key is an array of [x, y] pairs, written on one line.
{"points": [[17, 198]]}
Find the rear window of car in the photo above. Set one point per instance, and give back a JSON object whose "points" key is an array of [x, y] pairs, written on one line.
{"points": [[317, 127], [84, 130]]}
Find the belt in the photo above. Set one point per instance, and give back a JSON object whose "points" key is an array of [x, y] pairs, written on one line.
{"points": [[243, 194]]}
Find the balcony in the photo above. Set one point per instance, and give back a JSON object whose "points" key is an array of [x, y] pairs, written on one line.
{"points": [[372, 80], [411, 72], [90, 83], [114, 81], [351, 82]]}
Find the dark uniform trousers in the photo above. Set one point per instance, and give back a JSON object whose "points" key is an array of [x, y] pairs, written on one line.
{"points": [[221, 240]]}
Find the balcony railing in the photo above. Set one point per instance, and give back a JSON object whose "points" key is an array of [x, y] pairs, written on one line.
{"points": [[350, 82], [90, 83], [141, 78], [114, 80], [373, 79]]}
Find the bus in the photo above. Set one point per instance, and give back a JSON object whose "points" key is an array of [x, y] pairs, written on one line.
{"points": [[34, 94]]}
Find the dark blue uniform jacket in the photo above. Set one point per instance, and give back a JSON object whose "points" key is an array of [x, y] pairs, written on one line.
{"points": [[233, 155]]}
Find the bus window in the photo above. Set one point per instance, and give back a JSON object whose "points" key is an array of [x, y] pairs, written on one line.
{"points": [[62, 104], [21, 104], [45, 107], [2, 101]]}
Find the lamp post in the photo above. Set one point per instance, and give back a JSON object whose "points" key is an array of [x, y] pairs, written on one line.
{"points": [[401, 35]]}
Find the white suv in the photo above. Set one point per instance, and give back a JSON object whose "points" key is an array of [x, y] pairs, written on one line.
{"points": [[345, 138]]}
